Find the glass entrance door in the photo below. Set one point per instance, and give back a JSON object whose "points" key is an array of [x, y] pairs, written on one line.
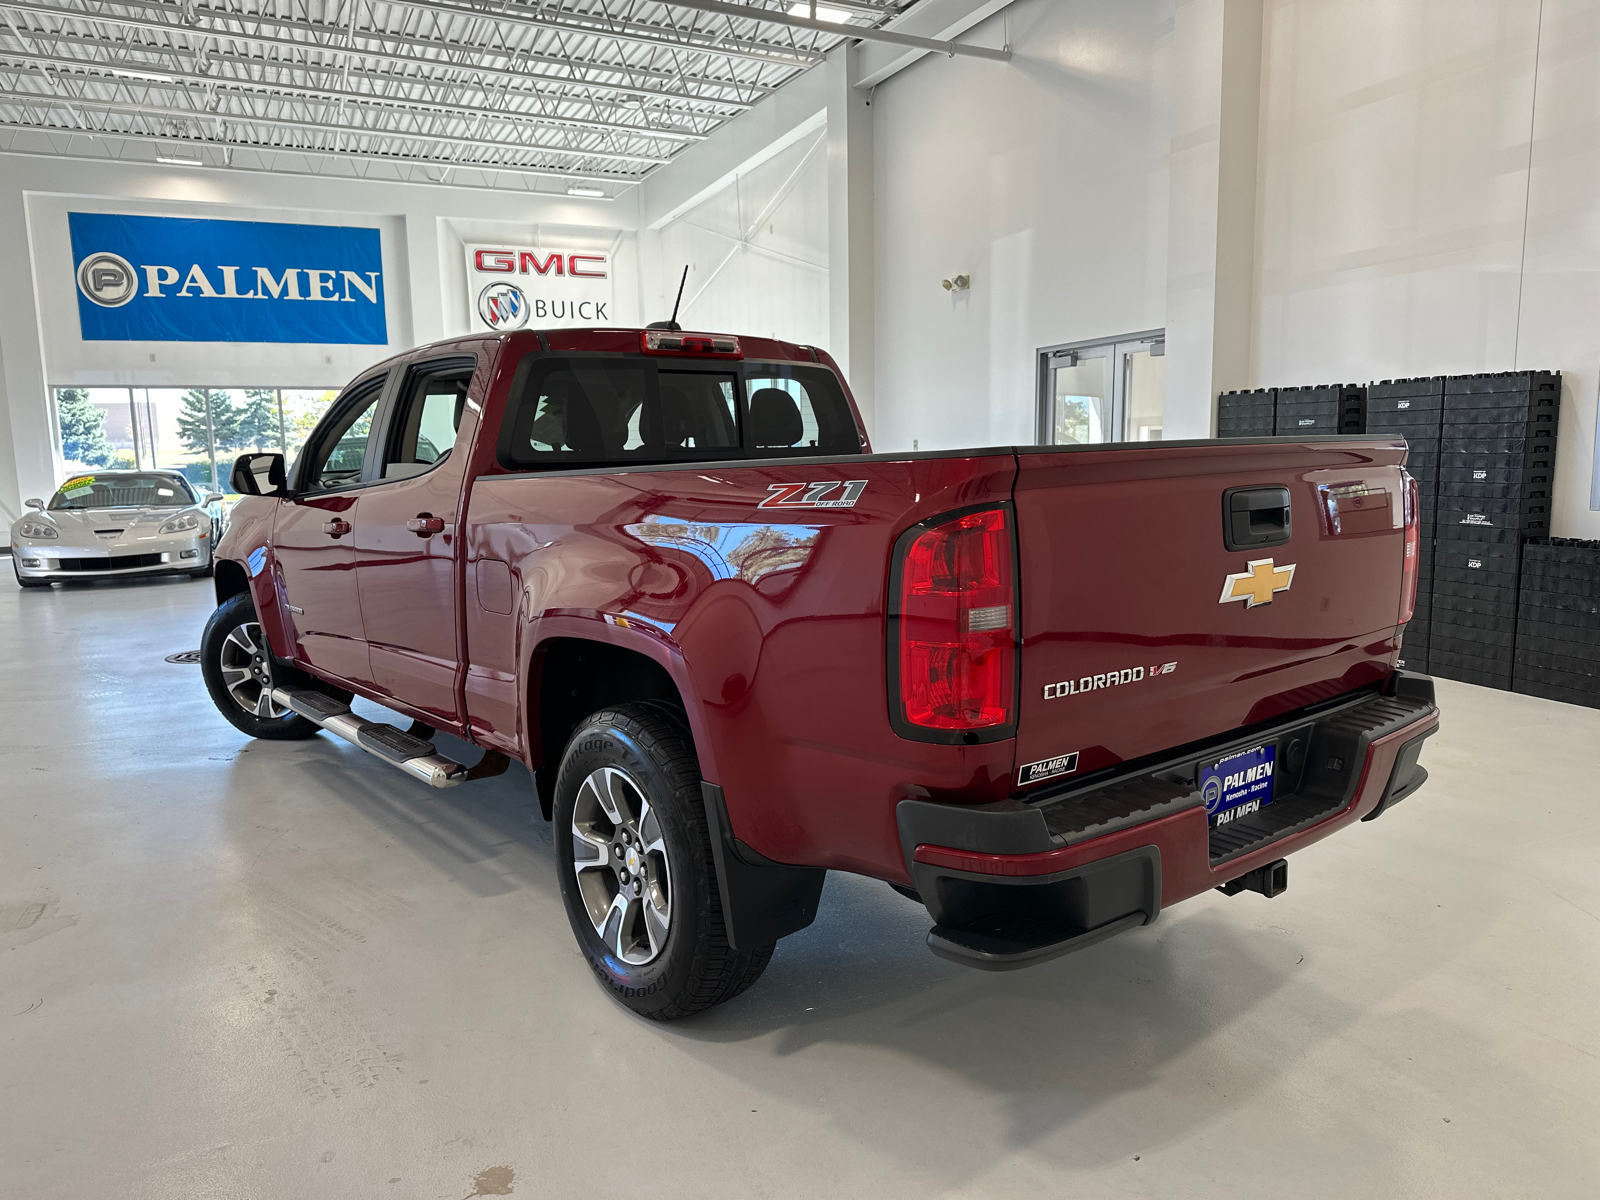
{"points": [[1080, 398], [1110, 391]]}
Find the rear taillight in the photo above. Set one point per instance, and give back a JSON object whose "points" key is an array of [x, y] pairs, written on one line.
{"points": [[1408, 576], [956, 618]]}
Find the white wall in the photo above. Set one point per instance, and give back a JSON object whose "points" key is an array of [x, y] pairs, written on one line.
{"points": [[423, 229], [756, 249], [1043, 178], [1401, 232]]}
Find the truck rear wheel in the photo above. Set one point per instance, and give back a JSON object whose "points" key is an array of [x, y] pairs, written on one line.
{"points": [[639, 882]]}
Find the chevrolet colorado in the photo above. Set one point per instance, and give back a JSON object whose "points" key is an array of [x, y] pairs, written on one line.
{"points": [[1044, 691]]}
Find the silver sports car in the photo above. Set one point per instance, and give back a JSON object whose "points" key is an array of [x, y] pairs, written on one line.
{"points": [[113, 523]]}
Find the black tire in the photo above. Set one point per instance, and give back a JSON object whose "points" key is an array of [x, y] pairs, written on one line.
{"points": [[646, 752], [231, 629], [27, 583]]}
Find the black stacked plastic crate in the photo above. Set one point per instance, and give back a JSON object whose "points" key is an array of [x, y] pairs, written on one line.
{"points": [[1414, 409], [1314, 411], [1558, 621], [1246, 414], [1497, 454]]}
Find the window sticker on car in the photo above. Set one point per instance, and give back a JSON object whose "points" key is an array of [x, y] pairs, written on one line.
{"points": [[73, 486]]}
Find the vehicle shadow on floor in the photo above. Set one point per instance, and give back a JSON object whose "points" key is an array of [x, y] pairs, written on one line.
{"points": [[1083, 1042], [1066, 1059], [488, 836]]}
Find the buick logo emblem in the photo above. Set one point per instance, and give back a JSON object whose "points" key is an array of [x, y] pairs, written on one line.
{"points": [[503, 306], [107, 279]]}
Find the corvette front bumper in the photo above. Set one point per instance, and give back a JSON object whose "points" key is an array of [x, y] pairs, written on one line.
{"points": [[46, 560]]}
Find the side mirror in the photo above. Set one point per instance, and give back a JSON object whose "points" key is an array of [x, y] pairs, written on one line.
{"points": [[35, 503], [258, 475], [213, 498]]}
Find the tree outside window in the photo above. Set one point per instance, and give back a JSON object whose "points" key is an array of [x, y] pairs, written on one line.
{"points": [[83, 429]]}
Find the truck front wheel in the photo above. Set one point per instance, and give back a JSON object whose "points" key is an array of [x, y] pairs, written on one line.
{"points": [[237, 664], [639, 882]]}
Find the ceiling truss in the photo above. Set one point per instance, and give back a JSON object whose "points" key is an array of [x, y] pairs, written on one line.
{"points": [[545, 95]]}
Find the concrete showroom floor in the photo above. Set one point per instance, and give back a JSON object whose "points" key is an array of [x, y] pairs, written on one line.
{"points": [[252, 969]]}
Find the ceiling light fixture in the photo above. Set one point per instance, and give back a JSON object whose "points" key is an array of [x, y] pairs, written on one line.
{"points": [[173, 160], [802, 8], [821, 12], [159, 78], [593, 193]]}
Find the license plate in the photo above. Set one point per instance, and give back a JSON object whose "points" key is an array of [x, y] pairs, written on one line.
{"points": [[1238, 785]]}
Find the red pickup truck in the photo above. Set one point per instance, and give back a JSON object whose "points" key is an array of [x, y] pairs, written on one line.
{"points": [[1043, 691]]}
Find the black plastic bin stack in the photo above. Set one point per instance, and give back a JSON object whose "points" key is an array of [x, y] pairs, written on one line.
{"points": [[1314, 411], [1497, 456], [1414, 409], [1558, 621], [1246, 414]]}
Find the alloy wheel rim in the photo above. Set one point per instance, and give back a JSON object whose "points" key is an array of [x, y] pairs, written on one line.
{"points": [[247, 672], [620, 859]]}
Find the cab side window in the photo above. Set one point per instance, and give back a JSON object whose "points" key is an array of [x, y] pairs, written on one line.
{"points": [[423, 430], [333, 457]]}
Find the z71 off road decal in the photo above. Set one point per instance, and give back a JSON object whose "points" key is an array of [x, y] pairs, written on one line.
{"points": [[814, 495]]}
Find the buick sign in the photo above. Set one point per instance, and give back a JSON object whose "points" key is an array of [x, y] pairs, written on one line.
{"points": [[180, 279], [509, 287], [503, 306]]}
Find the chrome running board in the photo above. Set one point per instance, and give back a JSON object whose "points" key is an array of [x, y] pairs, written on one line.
{"points": [[394, 746]]}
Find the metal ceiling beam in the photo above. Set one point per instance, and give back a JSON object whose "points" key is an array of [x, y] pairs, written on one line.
{"points": [[661, 38], [603, 25], [642, 93], [773, 16], [107, 73], [447, 165], [316, 29], [155, 110], [27, 35]]}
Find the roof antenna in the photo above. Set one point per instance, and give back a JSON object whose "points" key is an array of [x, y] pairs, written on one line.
{"points": [[672, 323]]}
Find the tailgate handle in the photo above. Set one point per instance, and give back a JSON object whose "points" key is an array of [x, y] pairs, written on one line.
{"points": [[1255, 518]]}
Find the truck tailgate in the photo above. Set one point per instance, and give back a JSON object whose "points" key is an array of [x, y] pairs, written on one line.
{"points": [[1142, 632]]}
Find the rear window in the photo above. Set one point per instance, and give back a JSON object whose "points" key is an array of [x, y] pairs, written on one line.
{"points": [[612, 410]]}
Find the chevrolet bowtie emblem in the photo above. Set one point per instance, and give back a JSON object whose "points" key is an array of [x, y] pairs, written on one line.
{"points": [[1257, 585]]}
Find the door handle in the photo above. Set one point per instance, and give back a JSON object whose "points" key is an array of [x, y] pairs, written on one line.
{"points": [[336, 527], [1254, 518], [425, 525]]}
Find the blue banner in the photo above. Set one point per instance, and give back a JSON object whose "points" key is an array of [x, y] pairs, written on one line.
{"points": [[181, 279]]}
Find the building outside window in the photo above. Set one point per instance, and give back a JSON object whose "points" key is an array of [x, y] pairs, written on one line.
{"points": [[196, 431]]}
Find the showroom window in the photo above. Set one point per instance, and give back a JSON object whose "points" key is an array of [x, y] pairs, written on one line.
{"points": [[1110, 390], [197, 431]]}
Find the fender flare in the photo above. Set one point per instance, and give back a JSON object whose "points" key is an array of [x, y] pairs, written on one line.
{"points": [[625, 633]]}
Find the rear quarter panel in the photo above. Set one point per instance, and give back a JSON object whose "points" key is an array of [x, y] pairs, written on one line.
{"points": [[772, 623]]}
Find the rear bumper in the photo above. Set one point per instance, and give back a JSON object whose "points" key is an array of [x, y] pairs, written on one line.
{"points": [[1011, 884]]}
